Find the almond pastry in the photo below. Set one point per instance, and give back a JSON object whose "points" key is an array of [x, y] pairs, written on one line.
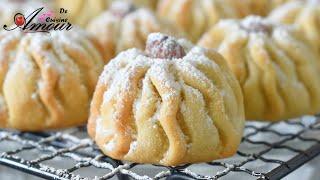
{"points": [[278, 71], [169, 104], [125, 26], [47, 81]]}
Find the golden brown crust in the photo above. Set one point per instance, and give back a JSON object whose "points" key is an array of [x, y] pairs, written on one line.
{"points": [[50, 80], [274, 65], [170, 112]]}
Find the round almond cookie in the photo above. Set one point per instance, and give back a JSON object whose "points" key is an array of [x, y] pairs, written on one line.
{"points": [[126, 26], [303, 14], [47, 80], [170, 104], [276, 68]]}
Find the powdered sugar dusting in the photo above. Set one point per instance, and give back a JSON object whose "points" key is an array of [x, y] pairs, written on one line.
{"points": [[110, 145], [121, 8], [133, 147], [156, 116], [25, 62], [156, 37], [114, 72], [101, 130], [34, 96]]}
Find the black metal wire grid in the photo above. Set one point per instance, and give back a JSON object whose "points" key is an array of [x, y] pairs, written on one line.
{"points": [[267, 151]]}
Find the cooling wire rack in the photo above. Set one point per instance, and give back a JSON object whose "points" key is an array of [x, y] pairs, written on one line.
{"points": [[268, 151]]}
